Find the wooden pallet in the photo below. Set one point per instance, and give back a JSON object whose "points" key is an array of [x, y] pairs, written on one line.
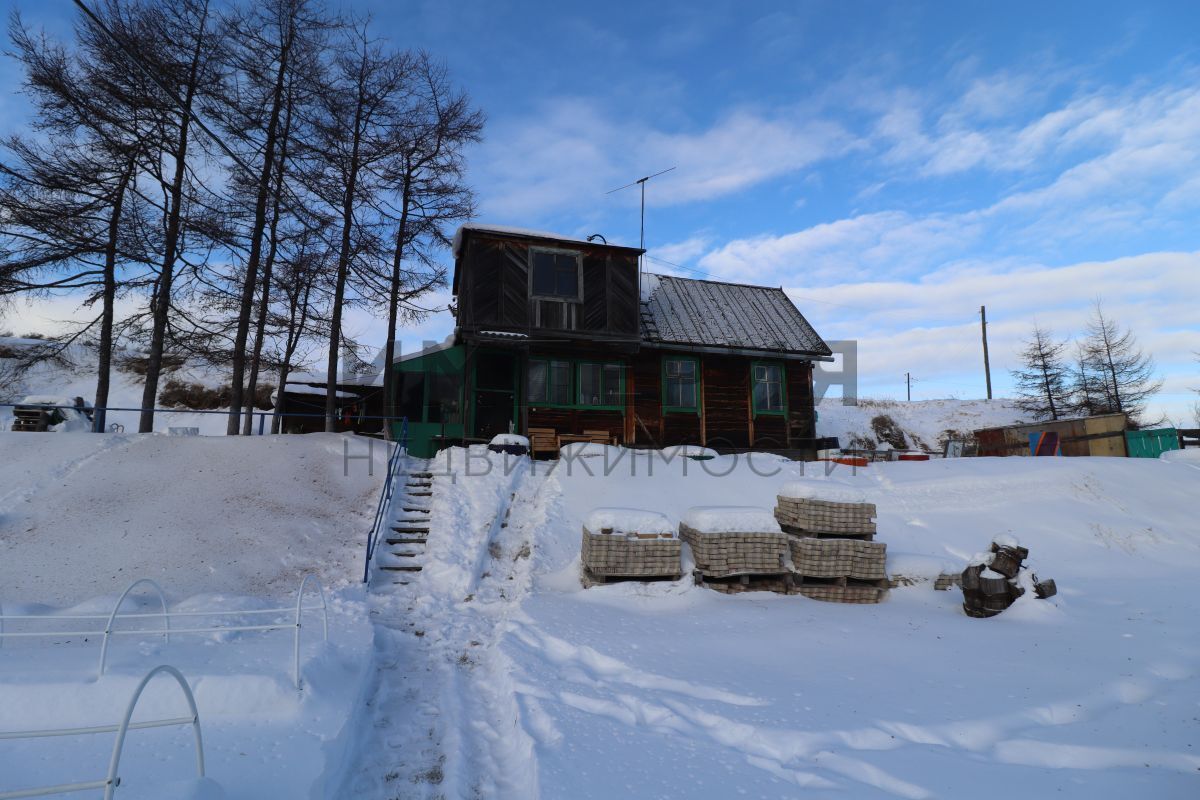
{"points": [[778, 582], [792, 530], [592, 579]]}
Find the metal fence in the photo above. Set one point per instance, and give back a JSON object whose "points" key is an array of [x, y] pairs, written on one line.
{"points": [[166, 616], [263, 416], [394, 471], [112, 778]]}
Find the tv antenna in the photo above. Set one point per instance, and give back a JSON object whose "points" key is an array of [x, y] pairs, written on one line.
{"points": [[642, 182]]}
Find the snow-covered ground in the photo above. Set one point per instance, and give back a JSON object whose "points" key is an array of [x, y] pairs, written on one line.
{"points": [[926, 424], [669, 690], [494, 673], [224, 523], [82, 513]]}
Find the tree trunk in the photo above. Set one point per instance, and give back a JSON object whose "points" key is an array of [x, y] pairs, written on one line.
{"points": [[104, 361], [256, 237], [162, 299], [294, 332], [343, 268], [389, 378], [264, 307]]}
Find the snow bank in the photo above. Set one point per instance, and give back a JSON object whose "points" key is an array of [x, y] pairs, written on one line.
{"points": [[731, 519], [591, 450], [82, 516], [627, 520], [687, 451], [822, 490], [510, 439]]}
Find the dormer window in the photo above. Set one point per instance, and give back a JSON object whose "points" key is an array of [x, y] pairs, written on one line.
{"points": [[556, 274]]}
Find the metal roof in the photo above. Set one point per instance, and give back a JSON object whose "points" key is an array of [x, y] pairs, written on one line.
{"points": [[685, 311]]}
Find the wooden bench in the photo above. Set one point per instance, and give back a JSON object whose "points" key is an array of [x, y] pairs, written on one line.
{"points": [[543, 440], [600, 437]]}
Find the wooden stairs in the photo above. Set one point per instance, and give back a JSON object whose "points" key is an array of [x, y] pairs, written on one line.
{"points": [[409, 531]]}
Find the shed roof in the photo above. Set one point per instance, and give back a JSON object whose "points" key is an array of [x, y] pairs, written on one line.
{"points": [[686, 311]]}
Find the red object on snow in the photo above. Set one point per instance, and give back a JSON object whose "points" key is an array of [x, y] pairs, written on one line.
{"points": [[912, 457]]}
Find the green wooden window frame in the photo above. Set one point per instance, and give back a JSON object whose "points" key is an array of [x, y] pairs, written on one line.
{"points": [[603, 365], [669, 407], [547, 402], [759, 410]]}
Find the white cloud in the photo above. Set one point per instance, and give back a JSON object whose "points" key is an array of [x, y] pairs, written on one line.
{"points": [[931, 326], [866, 246], [571, 152]]}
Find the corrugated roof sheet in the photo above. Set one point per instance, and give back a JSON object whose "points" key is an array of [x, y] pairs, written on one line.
{"points": [[707, 313]]}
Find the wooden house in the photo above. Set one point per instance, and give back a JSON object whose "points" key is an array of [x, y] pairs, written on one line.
{"points": [[566, 340]]}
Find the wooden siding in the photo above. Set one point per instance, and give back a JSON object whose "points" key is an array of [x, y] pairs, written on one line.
{"points": [[494, 291]]}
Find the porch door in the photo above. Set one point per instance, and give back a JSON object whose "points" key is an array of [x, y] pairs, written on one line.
{"points": [[495, 393]]}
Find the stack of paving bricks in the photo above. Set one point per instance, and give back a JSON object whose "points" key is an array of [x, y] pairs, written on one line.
{"points": [[833, 551], [720, 555], [614, 553], [805, 516]]}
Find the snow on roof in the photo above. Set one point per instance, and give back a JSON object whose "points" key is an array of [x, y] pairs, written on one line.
{"points": [[508, 230], [711, 313], [300, 388]]}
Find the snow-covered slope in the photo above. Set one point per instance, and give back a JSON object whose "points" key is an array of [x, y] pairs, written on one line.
{"points": [[82, 515], [925, 424]]}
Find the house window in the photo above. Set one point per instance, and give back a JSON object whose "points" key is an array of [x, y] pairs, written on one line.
{"points": [[412, 396], [768, 388], [555, 274], [550, 382], [680, 385], [444, 393], [600, 385]]}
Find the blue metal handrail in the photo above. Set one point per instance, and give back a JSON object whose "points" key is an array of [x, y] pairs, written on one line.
{"points": [[385, 496]]}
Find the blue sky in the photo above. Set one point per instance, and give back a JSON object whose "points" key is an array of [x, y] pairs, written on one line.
{"points": [[892, 165]]}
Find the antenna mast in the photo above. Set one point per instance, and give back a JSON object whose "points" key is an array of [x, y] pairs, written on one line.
{"points": [[642, 182]]}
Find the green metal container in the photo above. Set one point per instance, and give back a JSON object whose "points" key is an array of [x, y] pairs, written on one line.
{"points": [[1151, 444]]}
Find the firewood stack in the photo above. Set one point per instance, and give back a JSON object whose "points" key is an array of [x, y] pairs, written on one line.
{"points": [[990, 583]]}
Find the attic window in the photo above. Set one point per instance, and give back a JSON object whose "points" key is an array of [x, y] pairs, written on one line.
{"points": [[555, 274]]}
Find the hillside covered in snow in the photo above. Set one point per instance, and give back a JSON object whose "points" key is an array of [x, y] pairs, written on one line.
{"points": [[918, 425]]}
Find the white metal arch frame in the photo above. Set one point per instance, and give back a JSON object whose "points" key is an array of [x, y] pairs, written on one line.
{"points": [[299, 609], [165, 614], [113, 779], [108, 627]]}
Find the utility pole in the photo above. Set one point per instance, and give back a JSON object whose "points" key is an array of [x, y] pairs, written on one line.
{"points": [[987, 367], [908, 382]]}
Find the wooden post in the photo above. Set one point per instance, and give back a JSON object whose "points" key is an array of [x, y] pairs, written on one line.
{"points": [[630, 431], [987, 367], [700, 400]]}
